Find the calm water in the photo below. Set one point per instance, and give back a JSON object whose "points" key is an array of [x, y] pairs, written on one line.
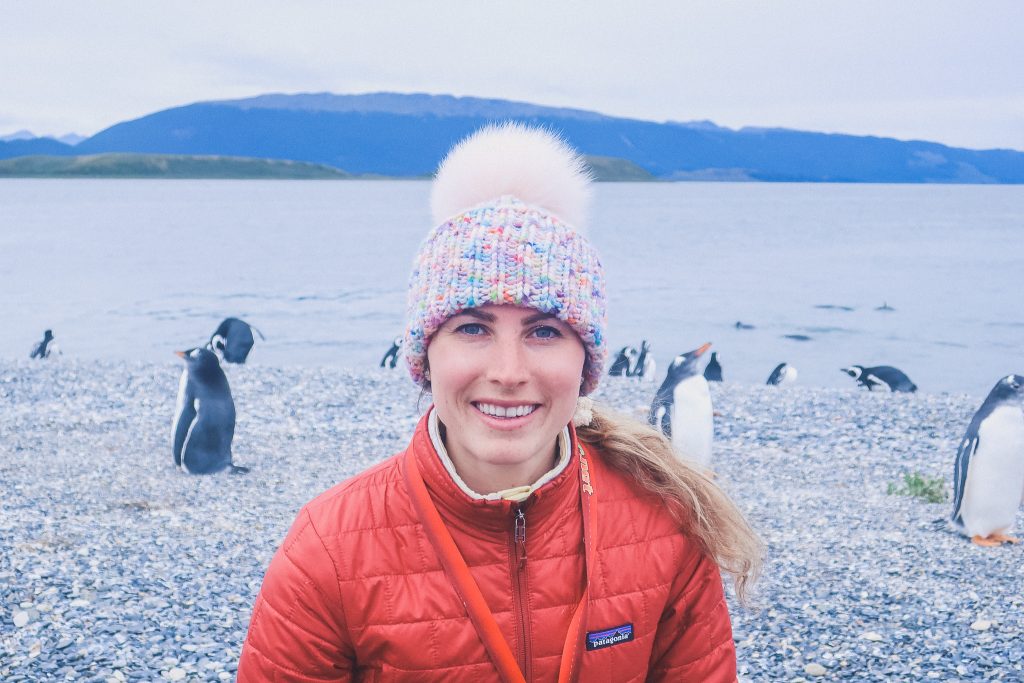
{"points": [[135, 269]]}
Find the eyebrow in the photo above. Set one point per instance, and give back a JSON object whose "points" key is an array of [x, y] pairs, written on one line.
{"points": [[490, 317]]}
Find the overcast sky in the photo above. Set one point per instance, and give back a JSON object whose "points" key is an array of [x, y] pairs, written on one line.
{"points": [[936, 70]]}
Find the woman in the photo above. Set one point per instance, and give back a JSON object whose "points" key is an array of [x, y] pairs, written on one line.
{"points": [[524, 534]]}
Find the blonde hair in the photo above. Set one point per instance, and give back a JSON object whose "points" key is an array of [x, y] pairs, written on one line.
{"points": [[702, 509]]}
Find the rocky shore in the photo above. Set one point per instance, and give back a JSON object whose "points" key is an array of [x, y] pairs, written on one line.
{"points": [[114, 566]]}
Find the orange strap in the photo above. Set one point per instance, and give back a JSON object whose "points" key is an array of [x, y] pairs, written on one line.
{"points": [[469, 592]]}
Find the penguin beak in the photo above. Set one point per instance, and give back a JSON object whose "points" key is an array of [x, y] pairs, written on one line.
{"points": [[179, 354], [699, 352]]}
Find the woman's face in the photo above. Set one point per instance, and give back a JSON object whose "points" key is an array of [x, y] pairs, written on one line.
{"points": [[505, 381]]}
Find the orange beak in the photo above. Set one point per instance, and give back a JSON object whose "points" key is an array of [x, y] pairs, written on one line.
{"points": [[179, 354], [699, 352]]}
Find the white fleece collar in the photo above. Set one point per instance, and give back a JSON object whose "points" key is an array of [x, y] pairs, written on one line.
{"points": [[516, 494]]}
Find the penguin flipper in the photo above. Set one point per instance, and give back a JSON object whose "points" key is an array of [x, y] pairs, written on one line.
{"points": [[666, 422], [183, 419], [968, 447]]}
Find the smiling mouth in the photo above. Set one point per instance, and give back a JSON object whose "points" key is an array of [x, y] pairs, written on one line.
{"points": [[505, 412]]}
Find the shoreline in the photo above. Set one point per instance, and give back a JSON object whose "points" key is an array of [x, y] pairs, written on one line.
{"points": [[120, 563]]}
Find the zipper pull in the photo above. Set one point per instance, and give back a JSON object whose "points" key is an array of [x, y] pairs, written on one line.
{"points": [[520, 535]]}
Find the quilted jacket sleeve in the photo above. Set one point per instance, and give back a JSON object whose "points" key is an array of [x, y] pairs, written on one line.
{"points": [[297, 632], [694, 640]]}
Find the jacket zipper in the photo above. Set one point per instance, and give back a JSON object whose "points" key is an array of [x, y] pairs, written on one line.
{"points": [[519, 591]]}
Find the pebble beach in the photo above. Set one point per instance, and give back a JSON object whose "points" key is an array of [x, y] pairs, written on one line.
{"points": [[115, 566]]}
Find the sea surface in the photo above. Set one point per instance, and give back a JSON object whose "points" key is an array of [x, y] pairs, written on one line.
{"points": [[136, 269]]}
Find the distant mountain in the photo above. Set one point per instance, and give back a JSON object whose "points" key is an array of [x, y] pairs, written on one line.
{"points": [[71, 138], [17, 135], [162, 166], [18, 148], [407, 135]]}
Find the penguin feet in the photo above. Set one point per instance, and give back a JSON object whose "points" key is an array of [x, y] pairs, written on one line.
{"points": [[993, 540], [238, 469]]}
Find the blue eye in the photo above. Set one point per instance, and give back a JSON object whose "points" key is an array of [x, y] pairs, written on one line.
{"points": [[470, 328], [547, 332]]}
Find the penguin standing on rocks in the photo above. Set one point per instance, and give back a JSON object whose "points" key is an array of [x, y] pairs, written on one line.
{"points": [[390, 359], [988, 476], [46, 347], [233, 340], [784, 373], [682, 407], [623, 363], [644, 366], [204, 422], [713, 372], [881, 376]]}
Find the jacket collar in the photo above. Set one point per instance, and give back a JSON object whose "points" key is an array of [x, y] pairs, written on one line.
{"points": [[490, 513]]}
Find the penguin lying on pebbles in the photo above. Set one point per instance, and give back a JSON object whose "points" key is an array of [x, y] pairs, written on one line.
{"points": [[390, 359], [46, 347], [233, 340], [988, 476], [682, 407], [713, 372], [881, 376], [204, 422], [784, 373], [623, 362], [643, 366]]}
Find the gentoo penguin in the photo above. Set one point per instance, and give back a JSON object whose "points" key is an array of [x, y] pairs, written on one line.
{"points": [[885, 307], [784, 373], [713, 372], [45, 348], [682, 407], [390, 359], [204, 422], [644, 365], [743, 326], [988, 476], [233, 340], [881, 376], [623, 363]]}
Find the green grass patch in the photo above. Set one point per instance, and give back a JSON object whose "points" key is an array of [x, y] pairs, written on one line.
{"points": [[932, 490]]}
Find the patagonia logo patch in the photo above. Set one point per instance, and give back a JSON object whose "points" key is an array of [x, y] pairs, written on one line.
{"points": [[597, 640]]}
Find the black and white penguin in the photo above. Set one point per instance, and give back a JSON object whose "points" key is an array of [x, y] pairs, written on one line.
{"points": [[233, 340], [390, 359], [881, 376], [885, 307], [682, 407], [784, 373], [623, 363], [743, 326], [204, 421], [644, 365], [988, 476], [713, 372], [46, 347]]}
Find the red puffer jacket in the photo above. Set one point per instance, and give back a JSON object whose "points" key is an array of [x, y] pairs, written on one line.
{"points": [[357, 592]]}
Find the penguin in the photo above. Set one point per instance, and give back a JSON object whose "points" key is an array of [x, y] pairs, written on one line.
{"points": [[713, 372], [988, 475], [390, 359], [796, 337], [682, 406], [784, 373], [233, 340], [885, 307], [623, 363], [204, 421], [743, 326], [881, 376], [644, 365], [46, 347]]}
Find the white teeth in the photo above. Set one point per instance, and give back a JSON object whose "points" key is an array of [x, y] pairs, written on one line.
{"points": [[500, 411]]}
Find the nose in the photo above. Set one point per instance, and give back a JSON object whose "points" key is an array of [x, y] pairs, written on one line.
{"points": [[509, 366]]}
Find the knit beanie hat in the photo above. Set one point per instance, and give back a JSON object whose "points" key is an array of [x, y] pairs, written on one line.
{"points": [[509, 202]]}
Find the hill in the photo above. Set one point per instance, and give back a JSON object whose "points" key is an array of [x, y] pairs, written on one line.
{"points": [[406, 135]]}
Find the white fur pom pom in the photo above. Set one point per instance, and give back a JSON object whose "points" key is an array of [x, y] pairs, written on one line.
{"points": [[532, 164]]}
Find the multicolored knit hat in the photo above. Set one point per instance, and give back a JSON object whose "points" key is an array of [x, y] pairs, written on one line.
{"points": [[509, 201]]}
